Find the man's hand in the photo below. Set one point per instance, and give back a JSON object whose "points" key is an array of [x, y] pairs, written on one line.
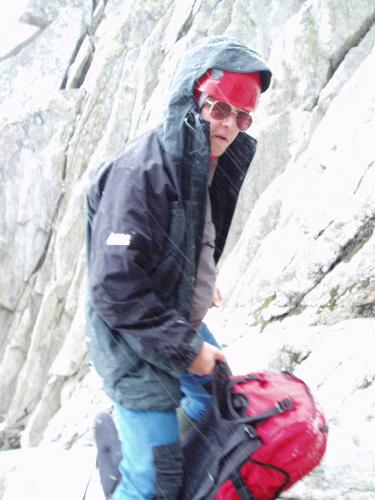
{"points": [[204, 362]]}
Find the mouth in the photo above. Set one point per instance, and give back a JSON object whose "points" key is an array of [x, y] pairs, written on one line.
{"points": [[221, 138]]}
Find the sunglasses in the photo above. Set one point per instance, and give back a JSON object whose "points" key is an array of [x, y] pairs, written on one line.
{"points": [[220, 110]]}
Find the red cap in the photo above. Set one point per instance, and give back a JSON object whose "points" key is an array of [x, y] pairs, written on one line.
{"points": [[242, 90]]}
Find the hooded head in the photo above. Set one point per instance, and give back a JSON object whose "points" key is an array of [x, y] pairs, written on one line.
{"points": [[196, 72]]}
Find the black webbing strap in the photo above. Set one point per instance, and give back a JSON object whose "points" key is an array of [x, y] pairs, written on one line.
{"points": [[279, 407], [241, 488], [287, 477]]}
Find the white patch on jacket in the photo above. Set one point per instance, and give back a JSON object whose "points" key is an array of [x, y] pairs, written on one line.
{"points": [[119, 239]]}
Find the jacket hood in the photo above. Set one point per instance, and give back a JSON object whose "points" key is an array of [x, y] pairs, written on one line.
{"points": [[219, 52]]}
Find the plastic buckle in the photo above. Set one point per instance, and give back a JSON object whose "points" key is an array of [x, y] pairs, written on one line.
{"points": [[284, 405], [250, 431]]}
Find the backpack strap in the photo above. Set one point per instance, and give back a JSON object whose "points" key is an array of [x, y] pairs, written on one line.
{"points": [[280, 407], [240, 486], [227, 454]]}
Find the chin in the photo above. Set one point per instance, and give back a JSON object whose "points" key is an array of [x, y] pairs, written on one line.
{"points": [[217, 151]]}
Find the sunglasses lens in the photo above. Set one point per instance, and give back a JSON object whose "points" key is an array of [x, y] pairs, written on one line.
{"points": [[244, 120], [220, 110]]}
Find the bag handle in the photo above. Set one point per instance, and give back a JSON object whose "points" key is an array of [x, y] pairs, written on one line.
{"points": [[221, 392], [223, 398]]}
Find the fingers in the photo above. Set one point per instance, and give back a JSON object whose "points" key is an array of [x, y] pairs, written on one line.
{"points": [[204, 362], [220, 356]]}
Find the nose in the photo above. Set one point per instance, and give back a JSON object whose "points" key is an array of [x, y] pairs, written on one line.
{"points": [[230, 120]]}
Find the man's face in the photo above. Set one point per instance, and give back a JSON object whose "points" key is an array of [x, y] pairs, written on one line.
{"points": [[222, 132]]}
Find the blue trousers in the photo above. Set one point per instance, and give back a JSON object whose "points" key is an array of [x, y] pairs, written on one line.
{"points": [[146, 433]]}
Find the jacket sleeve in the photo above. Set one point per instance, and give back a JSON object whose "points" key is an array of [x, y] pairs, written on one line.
{"points": [[126, 238]]}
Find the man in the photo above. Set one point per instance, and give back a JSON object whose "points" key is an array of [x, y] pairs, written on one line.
{"points": [[158, 217]]}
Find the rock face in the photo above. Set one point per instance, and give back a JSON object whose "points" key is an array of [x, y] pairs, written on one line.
{"points": [[298, 272]]}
